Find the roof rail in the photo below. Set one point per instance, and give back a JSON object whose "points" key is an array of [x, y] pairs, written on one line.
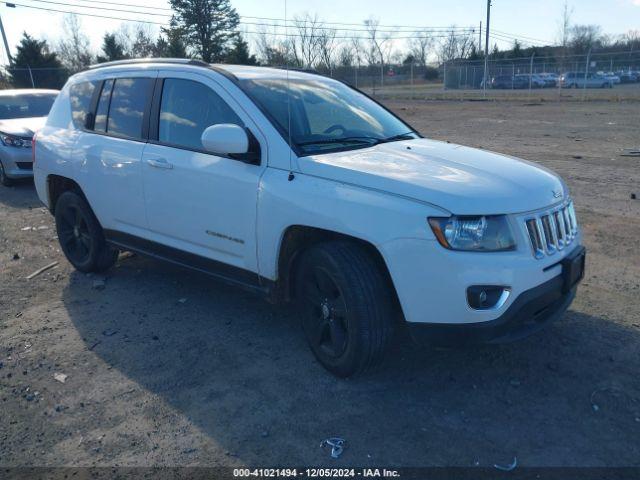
{"points": [[134, 61], [298, 69]]}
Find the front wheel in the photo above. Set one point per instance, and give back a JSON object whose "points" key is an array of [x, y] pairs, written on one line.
{"points": [[80, 235], [346, 304]]}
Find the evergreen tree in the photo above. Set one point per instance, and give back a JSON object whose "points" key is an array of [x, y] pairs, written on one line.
{"points": [[112, 49], [36, 66], [208, 26], [516, 51], [239, 53], [171, 45]]}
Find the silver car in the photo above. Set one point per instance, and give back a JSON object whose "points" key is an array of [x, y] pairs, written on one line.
{"points": [[22, 113]]}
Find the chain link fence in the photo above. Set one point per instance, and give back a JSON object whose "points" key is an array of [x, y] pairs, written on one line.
{"points": [[614, 76], [600, 76]]}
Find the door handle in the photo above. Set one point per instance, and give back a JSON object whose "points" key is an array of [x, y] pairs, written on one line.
{"points": [[159, 163]]}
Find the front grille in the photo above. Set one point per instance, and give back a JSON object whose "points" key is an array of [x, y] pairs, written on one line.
{"points": [[552, 230], [25, 165]]}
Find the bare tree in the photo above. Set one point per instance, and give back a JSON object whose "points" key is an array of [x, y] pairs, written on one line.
{"points": [[564, 25], [420, 46], [378, 45], [274, 51], [358, 50], [632, 39], [585, 37], [456, 45], [307, 42], [346, 55], [73, 47], [564, 32], [326, 47], [448, 48]]}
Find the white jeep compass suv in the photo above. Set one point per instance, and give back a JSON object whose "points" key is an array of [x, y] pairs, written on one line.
{"points": [[303, 189]]}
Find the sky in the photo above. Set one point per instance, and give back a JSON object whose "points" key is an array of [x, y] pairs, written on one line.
{"points": [[530, 19]]}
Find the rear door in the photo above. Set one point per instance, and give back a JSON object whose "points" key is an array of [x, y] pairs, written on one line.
{"points": [[197, 201], [112, 149]]}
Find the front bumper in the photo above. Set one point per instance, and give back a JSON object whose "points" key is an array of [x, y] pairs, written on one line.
{"points": [[432, 282], [529, 313], [17, 161]]}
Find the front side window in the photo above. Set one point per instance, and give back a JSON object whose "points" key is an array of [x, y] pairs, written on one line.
{"points": [[187, 109], [325, 115], [80, 95], [26, 105], [129, 98]]}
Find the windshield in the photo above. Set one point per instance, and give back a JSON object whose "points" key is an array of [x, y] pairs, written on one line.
{"points": [[26, 105], [326, 115]]}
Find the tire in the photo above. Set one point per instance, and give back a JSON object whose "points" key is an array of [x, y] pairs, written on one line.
{"points": [[80, 235], [4, 180], [346, 305]]}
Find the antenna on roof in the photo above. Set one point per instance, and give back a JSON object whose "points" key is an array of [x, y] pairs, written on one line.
{"points": [[286, 30]]}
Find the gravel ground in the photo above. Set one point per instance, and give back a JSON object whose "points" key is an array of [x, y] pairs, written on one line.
{"points": [[166, 367]]}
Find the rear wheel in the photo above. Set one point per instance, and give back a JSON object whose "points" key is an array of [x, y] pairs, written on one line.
{"points": [[80, 235], [346, 306], [4, 180]]}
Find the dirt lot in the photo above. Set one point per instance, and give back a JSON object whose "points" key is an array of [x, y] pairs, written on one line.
{"points": [[167, 367]]}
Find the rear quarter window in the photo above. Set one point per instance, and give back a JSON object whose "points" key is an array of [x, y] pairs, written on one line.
{"points": [[80, 95]]}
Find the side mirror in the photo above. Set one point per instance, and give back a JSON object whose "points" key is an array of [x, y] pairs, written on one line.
{"points": [[225, 139]]}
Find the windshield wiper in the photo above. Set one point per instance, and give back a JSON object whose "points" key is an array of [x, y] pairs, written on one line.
{"points": [[400, 136], [329, 141]]}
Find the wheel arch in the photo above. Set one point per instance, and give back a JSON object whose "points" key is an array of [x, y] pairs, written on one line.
{"points": [[57, 185], [297, 239]]}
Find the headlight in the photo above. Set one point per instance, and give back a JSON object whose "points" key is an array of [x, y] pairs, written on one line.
{"points": [[12, 141], [474, 233]]}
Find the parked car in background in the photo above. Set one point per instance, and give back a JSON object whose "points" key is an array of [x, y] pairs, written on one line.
{"points": [[627, 76], [299, 187], [536, 80], [615, 79], [22, 112], [502, 81], [521, 80], [550, 79], [582, 80]]}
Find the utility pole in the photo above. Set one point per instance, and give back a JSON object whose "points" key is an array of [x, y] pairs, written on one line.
{"points": [[486, 48], [6, 44], [480, 38]]}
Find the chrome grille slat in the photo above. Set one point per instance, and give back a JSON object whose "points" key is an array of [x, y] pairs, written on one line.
{"points": [[550, 234], [552, 230], [567, 224]]}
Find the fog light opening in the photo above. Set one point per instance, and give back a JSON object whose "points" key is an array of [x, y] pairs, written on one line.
{"points": [[487, 297]]}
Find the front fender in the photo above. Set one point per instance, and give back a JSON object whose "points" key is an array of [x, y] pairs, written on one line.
{"points": [[366, 214]]}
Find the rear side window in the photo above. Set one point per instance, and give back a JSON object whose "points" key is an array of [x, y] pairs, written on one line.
{"points": [[80, 95], [128, 102], [187, 109], [102, 111]]}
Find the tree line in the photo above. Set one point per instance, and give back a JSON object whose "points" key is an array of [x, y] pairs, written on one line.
{"points": [[204, 29], [210, 30]]}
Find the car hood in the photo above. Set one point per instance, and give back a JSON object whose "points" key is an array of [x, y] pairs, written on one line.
{"points": [[462, 180], [22, 127]]}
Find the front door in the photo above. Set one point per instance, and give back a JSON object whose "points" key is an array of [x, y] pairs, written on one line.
{"points": [[196, 201]]}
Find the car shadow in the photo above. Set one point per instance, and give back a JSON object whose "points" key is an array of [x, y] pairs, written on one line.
{"points": [[22, 194], [239, 370]]}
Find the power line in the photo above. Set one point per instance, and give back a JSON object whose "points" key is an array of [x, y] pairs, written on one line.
{"points": [[455, 31], [165, 24], [319, 24], [519, 36], [276, 19]]}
